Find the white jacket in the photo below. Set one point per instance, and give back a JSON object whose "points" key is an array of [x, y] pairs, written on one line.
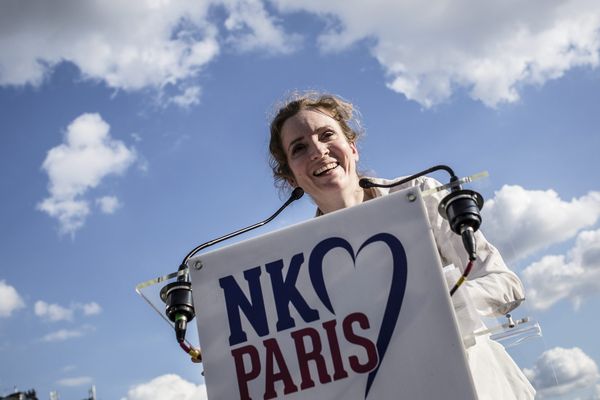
{"points": [[493, 290]]}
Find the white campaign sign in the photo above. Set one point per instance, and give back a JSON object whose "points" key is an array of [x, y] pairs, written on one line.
{"points": [[350, 305]]}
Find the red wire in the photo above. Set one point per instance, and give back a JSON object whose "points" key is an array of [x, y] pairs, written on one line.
{"points": [[185, 347], [463, 278], [468, 269]]}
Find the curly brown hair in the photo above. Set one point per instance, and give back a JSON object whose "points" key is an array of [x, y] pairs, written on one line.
{"points": [[334, 106]]}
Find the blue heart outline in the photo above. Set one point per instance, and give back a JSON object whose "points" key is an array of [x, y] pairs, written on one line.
{"points": [[395, 296]]}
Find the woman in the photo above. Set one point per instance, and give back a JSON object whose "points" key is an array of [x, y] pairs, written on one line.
{"points": [[313, 146]]}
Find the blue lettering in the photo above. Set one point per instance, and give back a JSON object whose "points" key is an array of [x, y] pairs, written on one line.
{"points": [[286, 292], [254, 310]]}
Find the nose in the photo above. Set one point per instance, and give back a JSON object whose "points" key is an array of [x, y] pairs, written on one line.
{"points": [[318, 150]]}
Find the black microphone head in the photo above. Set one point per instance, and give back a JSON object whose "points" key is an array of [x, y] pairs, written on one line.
{"points": [[297, 193], [365, 183]]}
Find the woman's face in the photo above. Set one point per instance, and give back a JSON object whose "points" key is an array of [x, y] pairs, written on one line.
{"points": [[319, 155]]}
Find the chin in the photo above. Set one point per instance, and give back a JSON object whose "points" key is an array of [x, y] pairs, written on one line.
{"points": [[334, 185]]}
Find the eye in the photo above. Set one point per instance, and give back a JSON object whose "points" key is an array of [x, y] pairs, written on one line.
{"points": [[328, 134], [297, 149]]}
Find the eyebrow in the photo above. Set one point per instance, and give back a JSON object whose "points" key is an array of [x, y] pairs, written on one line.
{"points": [[317, 132]]}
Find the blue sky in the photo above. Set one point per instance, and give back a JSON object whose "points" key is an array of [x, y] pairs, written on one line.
{"points": [[132, 132]]}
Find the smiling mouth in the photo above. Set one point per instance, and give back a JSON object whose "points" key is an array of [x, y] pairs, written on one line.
{"points": [[325, 168]]}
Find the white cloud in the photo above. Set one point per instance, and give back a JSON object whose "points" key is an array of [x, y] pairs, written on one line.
{"points": [[88, 155], [596, 395], [92, 308], [189, 97], [167, 387], [52, 312], [428, 49], [55, 312], [128, 45], [71, 214], [520, 222], [251, 28], [559, 371], [108, 204], [574, 276], [10, 301], [132, 45], [76, 381], [62, 335]]}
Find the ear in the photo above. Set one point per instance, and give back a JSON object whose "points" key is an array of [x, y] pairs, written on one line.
{"points": [[354, 151]]}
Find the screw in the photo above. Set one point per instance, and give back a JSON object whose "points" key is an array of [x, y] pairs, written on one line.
{"points": [[411, 197], [198, 265], [511, 322]]}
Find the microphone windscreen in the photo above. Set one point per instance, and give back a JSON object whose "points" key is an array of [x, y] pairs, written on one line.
{"points": [[297, 193], [365, 183]]}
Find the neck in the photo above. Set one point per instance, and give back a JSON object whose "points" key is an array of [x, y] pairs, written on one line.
{"points": [[348, 198]]}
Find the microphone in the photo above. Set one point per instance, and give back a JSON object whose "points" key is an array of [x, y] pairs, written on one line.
{"points": [[366, 184], [297, 193], [461, 207], [177, 296], [462, 210]]}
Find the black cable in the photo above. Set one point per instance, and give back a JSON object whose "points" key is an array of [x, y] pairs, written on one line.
{"points": [[366, 183], [296, 194], [178, 295]]}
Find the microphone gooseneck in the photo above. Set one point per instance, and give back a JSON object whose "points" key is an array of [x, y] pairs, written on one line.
{"points": [[177, 296], [365, 183], [296, 195]]}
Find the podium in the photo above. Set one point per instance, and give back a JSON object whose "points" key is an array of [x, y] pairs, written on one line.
{"points": [[349, 305]]}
